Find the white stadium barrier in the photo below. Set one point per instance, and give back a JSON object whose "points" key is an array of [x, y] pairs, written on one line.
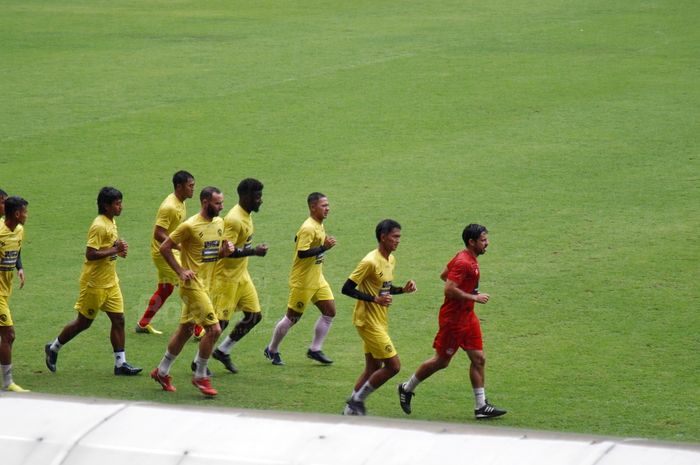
{"points": [[43, 430]]}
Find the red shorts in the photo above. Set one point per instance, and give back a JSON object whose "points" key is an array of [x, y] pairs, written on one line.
{"points": [[451, 337]]}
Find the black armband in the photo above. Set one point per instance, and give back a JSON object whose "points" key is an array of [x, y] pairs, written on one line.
{"points": [[18, 264], [350, 290], [311, 252], [395, 290]]}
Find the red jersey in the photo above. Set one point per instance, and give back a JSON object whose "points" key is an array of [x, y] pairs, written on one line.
{"points": [[463, 269]]}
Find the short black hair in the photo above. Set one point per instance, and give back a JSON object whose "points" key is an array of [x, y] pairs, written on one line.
{"points": [[473, 231], [14, 204], [385, 227], [106, 196], [207, 192], [181, 177], [249, 186], [314, 197]]}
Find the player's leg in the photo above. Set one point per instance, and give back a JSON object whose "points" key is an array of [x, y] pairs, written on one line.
{"points": [[426, 369], [163, 291], [321, 329], [72, 329], [161, 373], [355, 404], [7, 338], [296, 304]]}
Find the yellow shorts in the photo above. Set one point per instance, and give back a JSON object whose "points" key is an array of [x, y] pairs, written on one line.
{"points": [[227, 297], [376, 342], [197, 307], [5, 316], [299, 297], [92, 299], [166, 275]]}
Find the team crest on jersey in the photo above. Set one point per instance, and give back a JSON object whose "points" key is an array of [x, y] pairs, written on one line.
{"points": [[3, 318], [388, 348]]}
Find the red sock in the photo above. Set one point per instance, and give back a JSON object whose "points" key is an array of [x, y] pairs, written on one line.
{"points": [[157, 300]]}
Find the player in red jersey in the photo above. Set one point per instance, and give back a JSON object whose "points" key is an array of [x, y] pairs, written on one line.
{"points": [[459, 325]]}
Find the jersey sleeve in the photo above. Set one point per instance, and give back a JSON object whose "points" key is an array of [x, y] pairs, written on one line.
{"points": [[181, 233], [165, 216], [305, 238], [457, 270], [232, 230], [96, 236], [360, 272]]}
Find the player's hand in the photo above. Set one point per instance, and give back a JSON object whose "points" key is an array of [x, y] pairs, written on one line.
{"points": [[383, 299], [410, 287], [329, 242], [227, 248], [261, 250], [122, 247], [481, 298], [20, 274], [186, 275]]}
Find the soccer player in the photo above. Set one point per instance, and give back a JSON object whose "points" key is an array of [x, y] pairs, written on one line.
{"points": [[233, 288], [99, 284], [307, 284], [171, 213], [459, 325], [201, 243], [371, 283], [11, 237], [20, 268]]}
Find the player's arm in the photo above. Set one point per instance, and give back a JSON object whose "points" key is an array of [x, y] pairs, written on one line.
{"points": [[259, 250], [408, 288], [452, 291], [443, 275], [120, 248], [160, 234], [20, 269], [304, 239], [166, 251], [350, 290]]}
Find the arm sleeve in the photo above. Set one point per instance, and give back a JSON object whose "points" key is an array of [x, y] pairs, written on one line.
{"points": [[18, 265], [311, 252], [350, 290]]}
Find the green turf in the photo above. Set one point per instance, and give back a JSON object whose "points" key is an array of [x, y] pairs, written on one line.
{"points": [[569, 128]]}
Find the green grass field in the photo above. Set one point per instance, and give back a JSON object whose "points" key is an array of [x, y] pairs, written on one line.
{"points": [[569, 128]]}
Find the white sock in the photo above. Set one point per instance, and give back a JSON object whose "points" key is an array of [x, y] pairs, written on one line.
{"points": [[165, 363], [227, 344], [278, 334], [323, 325], [6, 375], [55, 345], [364, 392], [119, 358], [201, 371], [411, 384], [479, 397]]}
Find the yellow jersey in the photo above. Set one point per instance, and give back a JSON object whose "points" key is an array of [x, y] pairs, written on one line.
{"points": [[10, 245], [171, 213], [238, 228], [307, 273], [200, 242], [101, 273], [373, 275]]}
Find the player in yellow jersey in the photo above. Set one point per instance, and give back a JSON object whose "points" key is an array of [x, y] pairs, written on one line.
{"points": [[171, 213], [307, 284], [201, 243], [371, 283], [233, 287], [99, 284], [11, 238], [20, 268]]}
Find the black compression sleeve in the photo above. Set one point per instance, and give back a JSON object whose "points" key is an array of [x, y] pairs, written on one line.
{"points": [[18, 265], [350, 290], [311, 252], [244, 252], [395, 290]]}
